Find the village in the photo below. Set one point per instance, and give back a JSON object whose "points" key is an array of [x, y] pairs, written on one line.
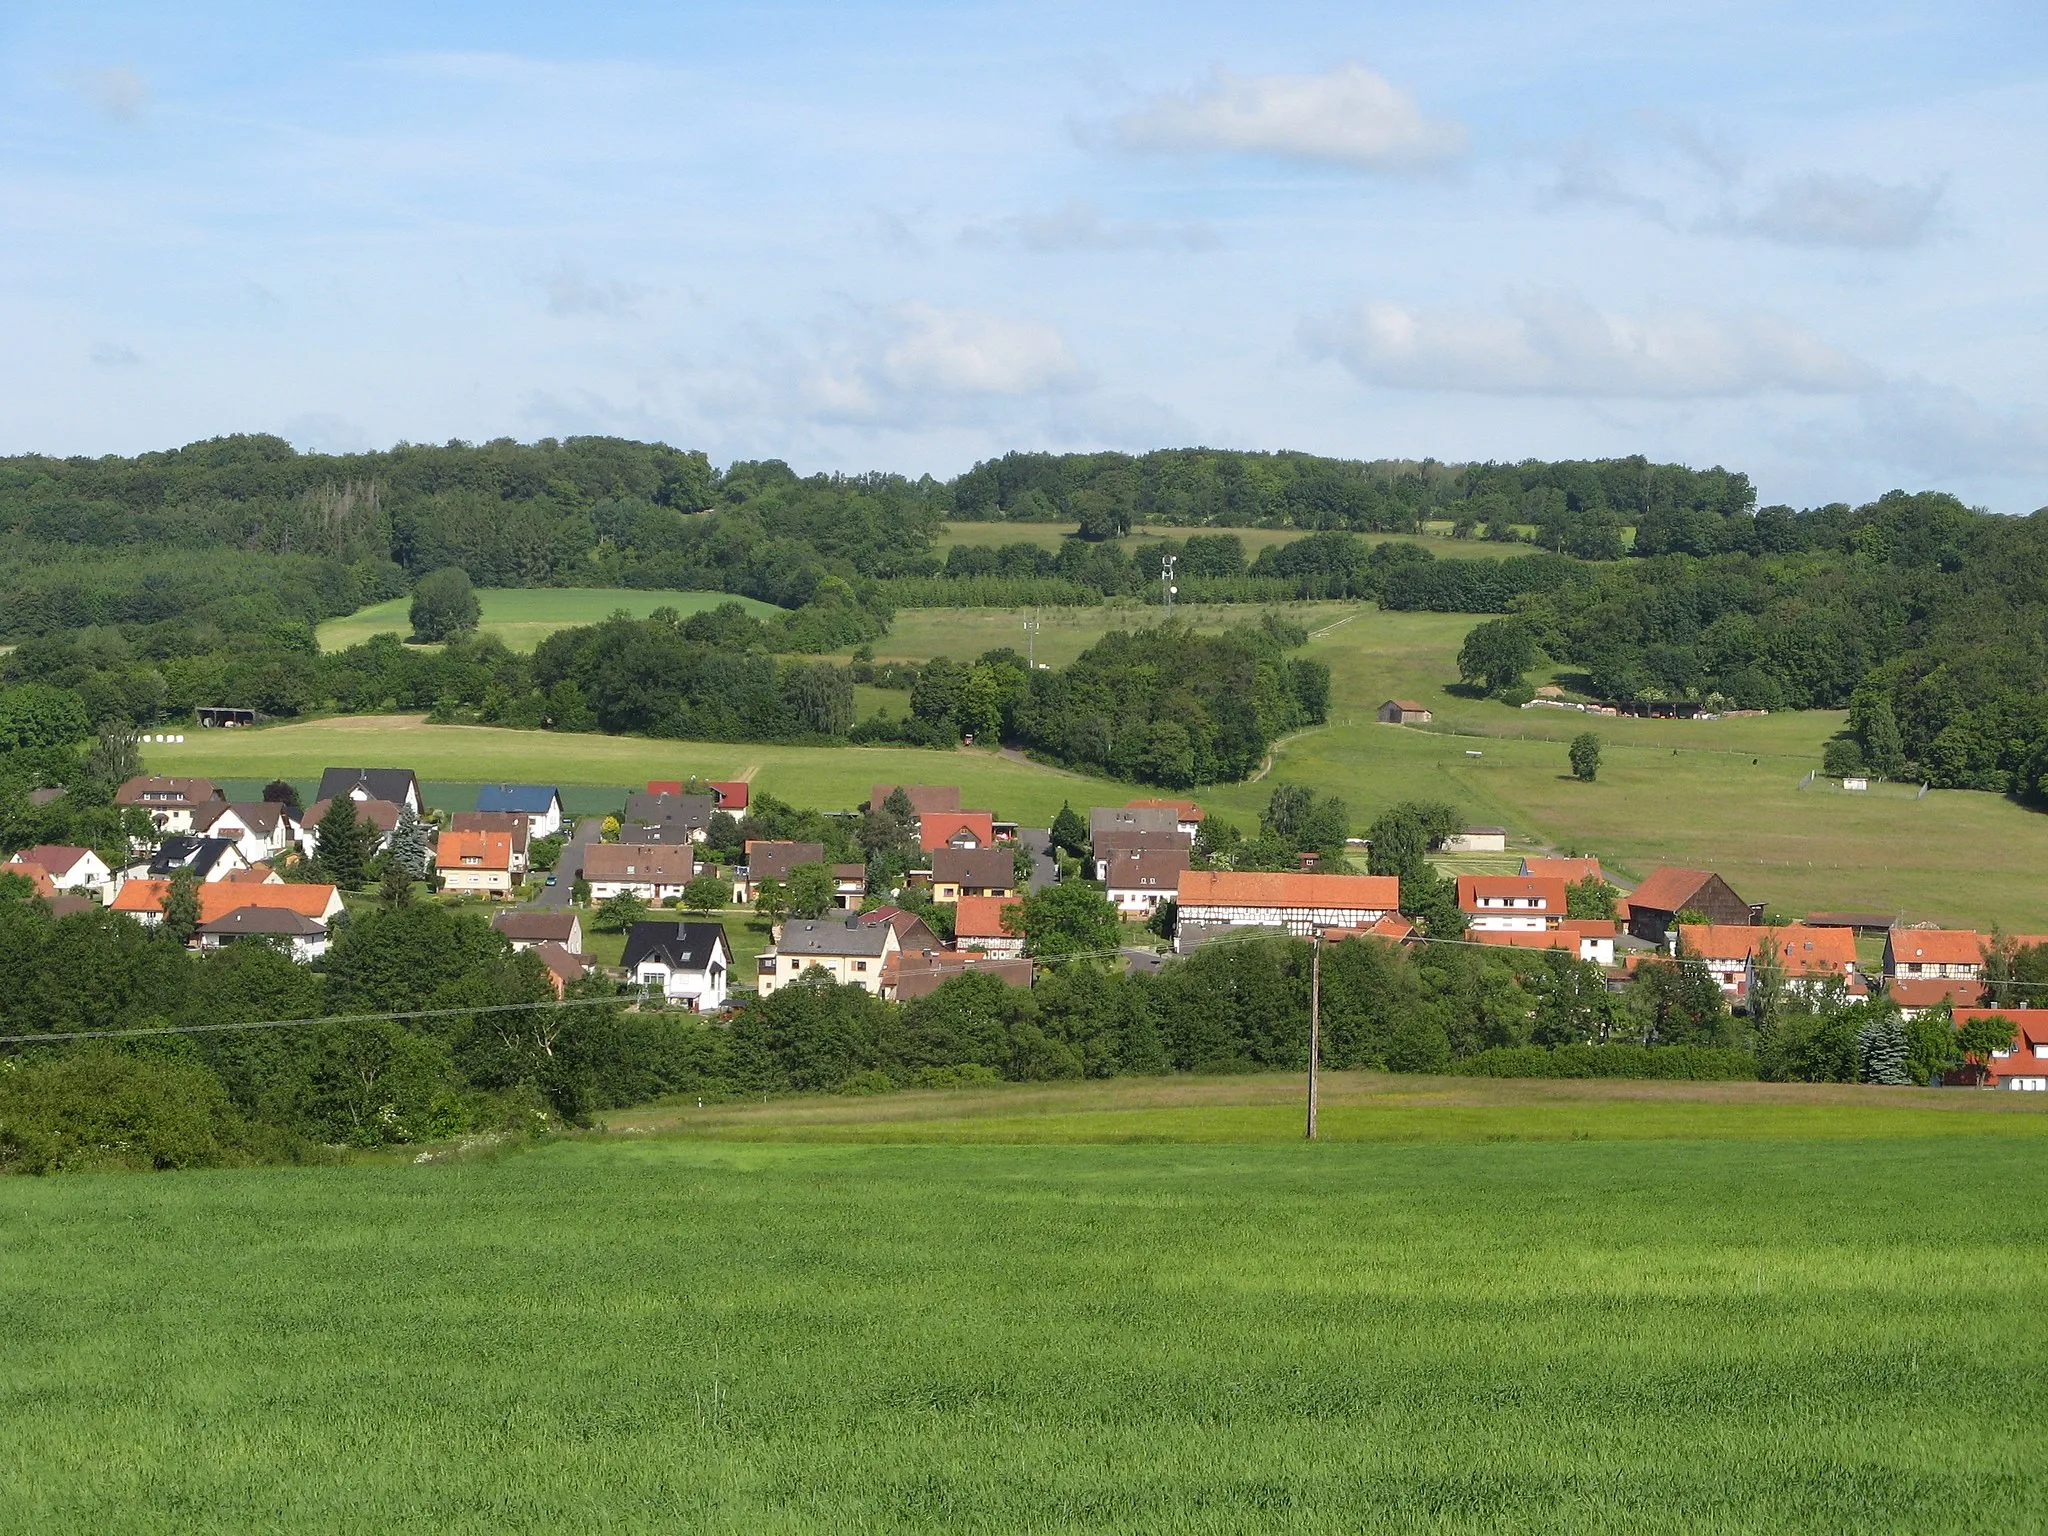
{"points": [[541, 875]]}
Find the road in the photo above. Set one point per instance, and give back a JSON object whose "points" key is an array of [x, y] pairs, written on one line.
{"points": [[1045, 869], [569, 866]]}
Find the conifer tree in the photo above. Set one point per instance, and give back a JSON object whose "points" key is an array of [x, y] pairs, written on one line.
{"points": [[409, 845]]}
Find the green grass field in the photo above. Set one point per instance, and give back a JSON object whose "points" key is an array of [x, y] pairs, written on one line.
{"points": [[1718, 794], [522, 617], [1815, 1318]]}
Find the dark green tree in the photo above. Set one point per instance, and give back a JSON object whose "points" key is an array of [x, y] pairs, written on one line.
{"points": [[707, 893], [1585, 756], [1070, 918], [181, 907], [1070, 831], [344, 843], [1590, 900], [408, 851], [443, 605], [810, 891], [1496, 654]]}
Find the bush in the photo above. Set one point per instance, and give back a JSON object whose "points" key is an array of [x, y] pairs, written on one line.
{"points": [[1843, 759], [1695, 1063], [105, 1108], [873, 1080], [444, 606], [969, 1074]]}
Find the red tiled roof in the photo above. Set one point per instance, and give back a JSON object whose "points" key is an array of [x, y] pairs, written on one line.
{"points": [[57, 858], [1570, 871], [1802, 951], [733, 794], [936, 828], [474, 850], [1668, 889], [1933, 991], [1472, 889], [1937, 946], [1186, 809], [221, 897], [1231, 888], [981, 917]]}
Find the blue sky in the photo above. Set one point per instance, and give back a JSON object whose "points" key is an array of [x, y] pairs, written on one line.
{"points": [[1803, 240]]}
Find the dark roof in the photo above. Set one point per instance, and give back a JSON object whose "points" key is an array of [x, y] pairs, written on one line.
{"points": [[1125, 839], [156, 789], [925, 799], [1132, 818], [534, 925], [511, 823], [829, 936], [988, 867], [198, 854], [679, 946], [1146, 869], [562, 960], [264, 920], [528, 799], [393, 784], [665, 810], [774, 860]]}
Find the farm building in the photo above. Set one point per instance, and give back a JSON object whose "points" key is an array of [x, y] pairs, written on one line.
{"points": [[1653, 906], [1301, 904], [978, 924], [1584, 939], [1915, 995], [1403, 712], [1953, 954], [1570, 871], [1478, 840]]}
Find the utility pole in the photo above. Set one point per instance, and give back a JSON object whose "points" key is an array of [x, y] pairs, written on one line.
{"points": [[1031, 644], [1315, 1023], [1166, 565]]}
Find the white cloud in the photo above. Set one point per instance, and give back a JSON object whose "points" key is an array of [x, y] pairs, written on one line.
{"points": [[572, 291], [119, 92], [1945, 432], [110, 354], [1349, 116], [1547, 343], [968, 352], [1824, 208], [1080, 226]]}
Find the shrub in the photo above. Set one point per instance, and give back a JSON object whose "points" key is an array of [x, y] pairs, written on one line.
{"points": [[1690, 1062]]}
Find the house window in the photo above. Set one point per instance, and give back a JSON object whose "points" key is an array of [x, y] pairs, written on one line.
{"points": [[860, 965]]}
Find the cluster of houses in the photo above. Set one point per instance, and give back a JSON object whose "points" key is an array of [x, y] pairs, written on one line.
{"points": [[978, 867]]}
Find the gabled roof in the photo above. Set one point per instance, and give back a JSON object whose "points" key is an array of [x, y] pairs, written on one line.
{"points": [[534, 926], [1408, 705], [1132, 818], [1393, 926], [198, 854], [640, 863], [911, 930], [1801, 951], [690, 811], [34, 874], [381, 814], [473, 850], [1145, 869], [768, 860], [224, 896], [1184, 810], [1128, 839], [262, 920], [1570, 871], [166, 789], [924, 798], [510, 823], [1668, 889], [828, 937], [1933, 991], [1230, 888], [393, 784], [58, 858], [526, 799], [733, 794], [1525, 938], [1474, 889], [935, 829], [562, 961], [981, 917], [1937, 946], [975, 866], [679, 946]]}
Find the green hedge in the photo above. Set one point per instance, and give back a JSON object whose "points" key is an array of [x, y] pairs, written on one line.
{"points": [[1696, 1062]]}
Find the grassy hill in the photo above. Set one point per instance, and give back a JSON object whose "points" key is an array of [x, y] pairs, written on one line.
{"points": [[522, 617], [1805, 1328]]}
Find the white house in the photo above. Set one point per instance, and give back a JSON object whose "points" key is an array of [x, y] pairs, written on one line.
{"points": [[70, 869], [689, 963], [844, 949], [540, 804], [1301, 904], [654, 872], [1511, 903], [261, 829], [1137, 880]]}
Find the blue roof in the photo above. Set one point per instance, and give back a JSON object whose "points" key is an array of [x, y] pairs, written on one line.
{"points": [[529, 799]]}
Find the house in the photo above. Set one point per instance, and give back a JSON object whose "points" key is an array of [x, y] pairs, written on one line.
{"points": [[1916, 995], [849, 886], [958, 872], [1301, 904], [304, 938], [1113, 822], [1954, 954], [69, 869], [1570, 871], [257, 874], [143, 900], [680, 818], [1477, 840], [396, 785], [207, 858], [978, 925], [2024, 1068], [1115, 842], [563, 965], [540, 804], [1137, 880], [1734, 953], [654, 872], [261, 829], [1403, 712], [918, 973], [1188, 816], [477, 863], [925, 799], [381, 814], [1395, 929], [1653, 906], [733, 796], [1590, 941], [912, 931], [955, 829], [689, 963], [846, 950], [769, 860], [510, 823], [527, 928], [1511, 903], [40, 884], [170, 801]]}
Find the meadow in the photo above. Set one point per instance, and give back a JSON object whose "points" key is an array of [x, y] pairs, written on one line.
{"points": [[522, 617], [1720, 794], [1804, 1321]]}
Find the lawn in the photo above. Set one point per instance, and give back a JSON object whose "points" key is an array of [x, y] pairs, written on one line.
{"points": [[1810, 1326], [522, 617]]}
